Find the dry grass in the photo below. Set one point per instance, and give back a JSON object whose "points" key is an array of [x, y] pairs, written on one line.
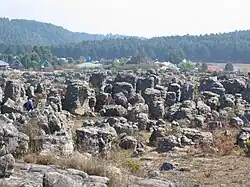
{"points": [[92, 166], [122, 159], [5, 185], [143, 136], [221, 163], [224, 144], [229, 171], [48, 159]]}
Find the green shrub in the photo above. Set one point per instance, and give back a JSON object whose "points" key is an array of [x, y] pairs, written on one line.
{"points": [[132, 165], [247, 143], [186, 66]]}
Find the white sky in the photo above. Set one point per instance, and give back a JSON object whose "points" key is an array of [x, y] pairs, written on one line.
{"points": [[135, 17]]}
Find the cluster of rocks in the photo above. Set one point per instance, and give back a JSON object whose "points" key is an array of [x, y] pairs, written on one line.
{"points": [[177, 109], [30, 175]]}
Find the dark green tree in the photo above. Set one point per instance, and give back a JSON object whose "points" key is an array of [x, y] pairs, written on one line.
{"points": [[70, 60], [11, 50], [35, 57], [26, 60], [37, 50], [10, 58], [34, 64], [229, 67], [176, 55], [203, 67]]}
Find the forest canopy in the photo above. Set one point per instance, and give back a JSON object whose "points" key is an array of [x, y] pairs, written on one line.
{"points": [[20, 37]]}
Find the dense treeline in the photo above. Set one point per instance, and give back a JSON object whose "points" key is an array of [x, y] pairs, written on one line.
{"points": [[234, 46], [22, 32]]}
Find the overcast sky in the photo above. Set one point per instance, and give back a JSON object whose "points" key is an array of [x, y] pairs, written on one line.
{"points": [[135, 17]]}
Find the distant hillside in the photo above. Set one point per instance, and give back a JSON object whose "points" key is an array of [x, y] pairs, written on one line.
{"points": [[223, 47], [233, 46], [27, 32]]}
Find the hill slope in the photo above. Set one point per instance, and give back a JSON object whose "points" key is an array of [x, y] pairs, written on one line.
{"points": [[20, 31], [233, 46]]}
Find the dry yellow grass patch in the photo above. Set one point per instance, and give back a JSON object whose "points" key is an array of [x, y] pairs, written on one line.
{"points": [[92, 166]]}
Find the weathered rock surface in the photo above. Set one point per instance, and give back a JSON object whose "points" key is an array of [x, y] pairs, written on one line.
{"points": [[93, 139], [120, 110], [76, 98], [51, 176]]}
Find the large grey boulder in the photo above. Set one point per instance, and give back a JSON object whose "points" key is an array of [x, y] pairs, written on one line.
{"points": [[198, 136], [122, 126], [187, 92], [54, 132], [170, 98], [234, 86], [54, 123], [172, 111], [185, 110], [227, 100], [136, 99], [114, 110], [76, 99], [55, 179], [211, 99], [15, 141], [211, 84], [30, 175], [157, 110], [162, 89], [97, 79], [237, 121], [186, 137], [142, 121], [127, 77], [121, 99], [91, 139], [203, 109], [58, 144], [103, 99], [152, 183], [155, 103], [54, 99], [144, 83], [124, 87], [128, 142], [14, 90], [167, 143], [137, 109], [174, 87], [11, 106], [7, 163]]}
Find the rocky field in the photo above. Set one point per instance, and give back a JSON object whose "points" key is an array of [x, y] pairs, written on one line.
{"points": [[141, 128]]}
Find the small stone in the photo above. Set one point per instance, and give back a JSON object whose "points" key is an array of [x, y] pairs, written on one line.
{"points": [[167, 166]]}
